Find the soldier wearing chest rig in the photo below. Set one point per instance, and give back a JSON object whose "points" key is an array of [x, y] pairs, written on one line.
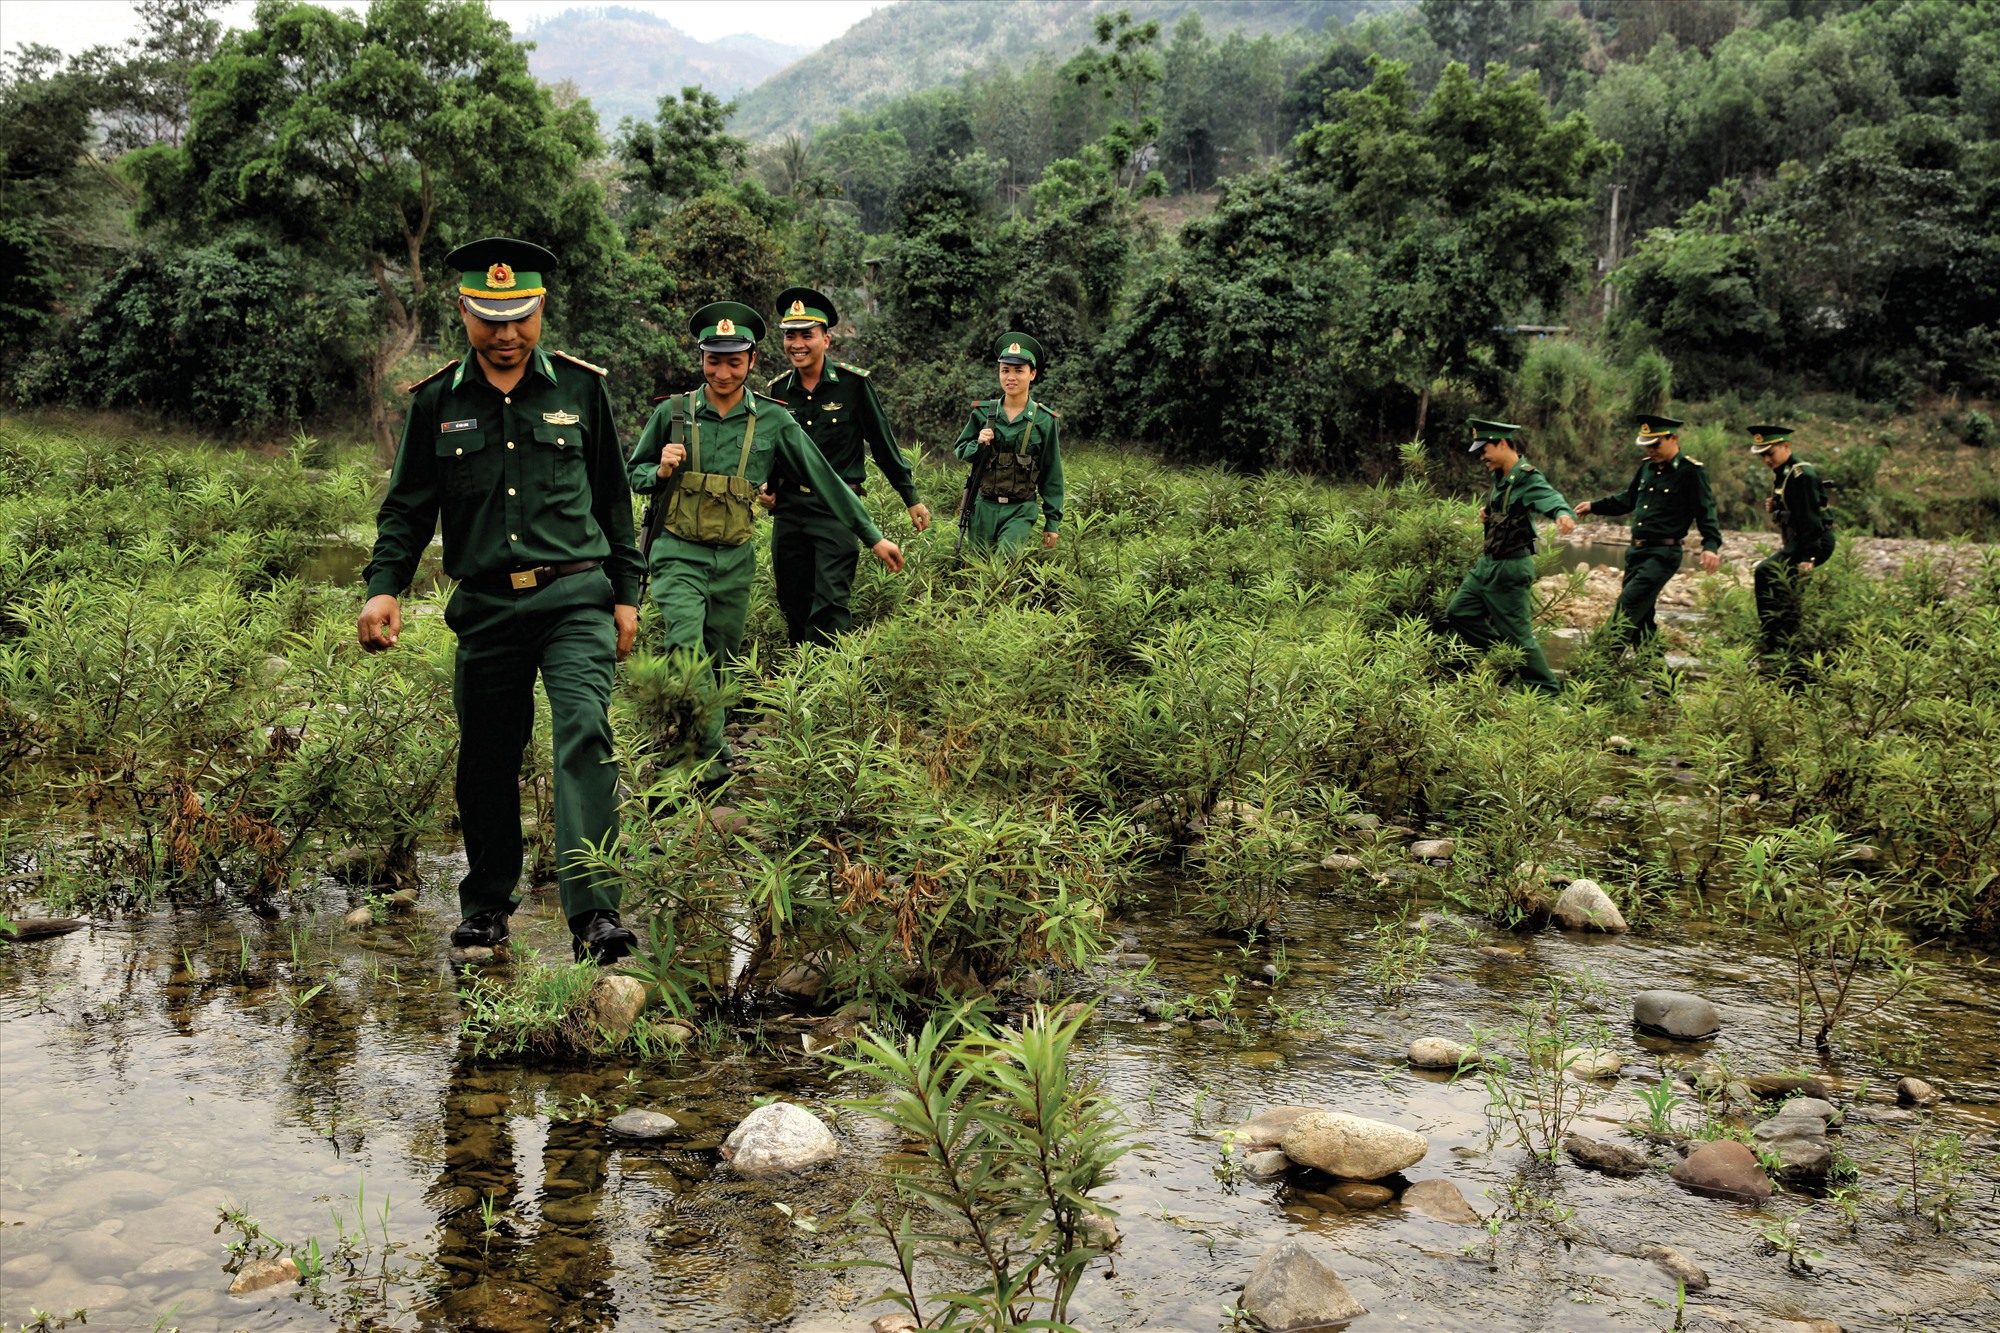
{"points": [[813, 550], [1015, 447]]}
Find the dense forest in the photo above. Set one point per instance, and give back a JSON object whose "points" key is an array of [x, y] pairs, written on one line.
{"points": [[1290, 248]]}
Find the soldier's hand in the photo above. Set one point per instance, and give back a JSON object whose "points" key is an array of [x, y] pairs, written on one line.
{"points": [[380, 623], [671, 457], [1482, 513], [626, 618], [1767, 504], [1805, 566], [889, 554], [1048, 541], [1583, 509], [986, 436], [767, 497], [1711, 561], [1565, 524], [920, 516]]}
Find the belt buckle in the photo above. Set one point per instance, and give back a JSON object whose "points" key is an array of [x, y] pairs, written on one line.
{"points": [[525, 578]]}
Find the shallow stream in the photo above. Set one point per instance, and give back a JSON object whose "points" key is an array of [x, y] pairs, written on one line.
{"points": [[156, 1072]]}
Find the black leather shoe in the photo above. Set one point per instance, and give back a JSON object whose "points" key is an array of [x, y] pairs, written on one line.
{"points": [[481, 930], [598, 936]]}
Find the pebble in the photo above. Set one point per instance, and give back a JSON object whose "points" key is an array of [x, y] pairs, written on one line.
{"points": [[1613, 1159], [1340, 861], [1360, 1196], [643, 1125], [1677, 1265], [1912, 1091], [264, 1273], [1441, 1053], [1591, 1062], [358, 919], [476, 953], [403, 900], [1434, 849]]}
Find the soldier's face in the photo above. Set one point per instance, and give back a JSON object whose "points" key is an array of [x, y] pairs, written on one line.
{"points": [[1774, 457], [1498, 456], [807, 347], [502, 343], [1014, 380], [726, 371]]}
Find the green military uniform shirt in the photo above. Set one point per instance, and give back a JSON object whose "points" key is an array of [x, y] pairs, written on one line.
{"points": [[846, 421], [1798, 507], [1664, 498], [520, 479], [1012, 436], [1521, 493], [780, 447]]}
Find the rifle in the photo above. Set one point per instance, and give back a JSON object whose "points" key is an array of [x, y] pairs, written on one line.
{"points": [[971, 490]]}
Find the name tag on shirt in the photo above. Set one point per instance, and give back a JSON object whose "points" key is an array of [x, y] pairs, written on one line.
{"points": [[451, 426]]}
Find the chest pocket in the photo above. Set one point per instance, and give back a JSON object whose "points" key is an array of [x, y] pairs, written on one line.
{"points": [[712, 508], [461, 463]]}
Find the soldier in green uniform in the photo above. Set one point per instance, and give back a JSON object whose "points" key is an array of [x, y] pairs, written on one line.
{"points": [[1668, 493], [515, 449], [1492, 604], [1798, 506], [1015, 446], [813, 555], [707, 454]]}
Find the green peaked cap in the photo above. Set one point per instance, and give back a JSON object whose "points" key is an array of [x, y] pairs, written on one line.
{"points": [[1650, 427], [1490, 432], [1763, 437], [802, 307], [500, 277], [726, 326], [1018, 349]]}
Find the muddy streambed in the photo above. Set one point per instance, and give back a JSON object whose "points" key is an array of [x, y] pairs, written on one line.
{"points": [[158, 1071]]}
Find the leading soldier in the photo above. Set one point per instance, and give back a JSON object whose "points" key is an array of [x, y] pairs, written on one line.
{"points": [[514, 448], [706, 454], [1492, 605], [1668, 494], [1798, 506], [813, 552], [1015, 447]]}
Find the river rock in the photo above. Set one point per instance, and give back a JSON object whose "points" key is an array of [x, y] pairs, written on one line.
{"points": [[97, 1255], [1351, 1147], [1365, 822], [900, 1321], [1770, 1087], [1441, 1053], [1677, 1265], [1434, 849], [1441, 1199], [358, 919], [778, 1138], [28, 1270], [42, 927], [471, 953], [264, 1273], [1613, 1159], [1266, 1165], [1591, 1062], [615, 1002], [1295, 1287], [643, 1124], [1914, 1092], [402, 900], [800, 981], [1724, 1169], [1619, 745], [1799, 1143], [1585, 906], [1360, 1196], [1675, 1013], [1339, 861], [1819, 1108], [1267, 1129], [1099, 1231]]}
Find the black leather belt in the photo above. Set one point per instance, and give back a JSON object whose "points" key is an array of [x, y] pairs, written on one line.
{"points": [[527, 580], [1514, 554], [1643, 542]]}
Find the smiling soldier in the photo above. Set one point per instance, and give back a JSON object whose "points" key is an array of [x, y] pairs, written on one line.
{"points": [[515, 450], [813, 551]]}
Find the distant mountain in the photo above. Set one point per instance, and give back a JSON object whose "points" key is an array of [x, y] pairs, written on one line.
{"points": [[625, 60], [905, 47]]}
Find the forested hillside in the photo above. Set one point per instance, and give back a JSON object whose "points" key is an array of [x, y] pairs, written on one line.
{"points": [[1750, 204], [906, 48]]}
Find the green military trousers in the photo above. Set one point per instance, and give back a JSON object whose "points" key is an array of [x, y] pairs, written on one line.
{"points": [[1492, 606], [703, 593], [564, 631], [1778, 584], [813, 559], [1006, 528], [1647, 569]]}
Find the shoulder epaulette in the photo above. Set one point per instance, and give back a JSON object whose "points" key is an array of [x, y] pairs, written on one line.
{"points": [[781, 377], [852, 370], [412, 388], [986, 402], [579, 361], [1050, 410], [663, 397], [1526, 466], [1697, 462], [769, 399]]}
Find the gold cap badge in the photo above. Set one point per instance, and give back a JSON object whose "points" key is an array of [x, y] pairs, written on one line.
{"points": [[1013, 349], [725, 328], [499, 277], [1756, 439], [798, 308]]}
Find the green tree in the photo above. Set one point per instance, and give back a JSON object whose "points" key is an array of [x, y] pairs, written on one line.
{"points": [[371, 141], [146, 96], [683, 153]]}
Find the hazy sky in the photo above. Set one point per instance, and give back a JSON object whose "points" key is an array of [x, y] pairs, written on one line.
{"points": [[74, 25]]}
